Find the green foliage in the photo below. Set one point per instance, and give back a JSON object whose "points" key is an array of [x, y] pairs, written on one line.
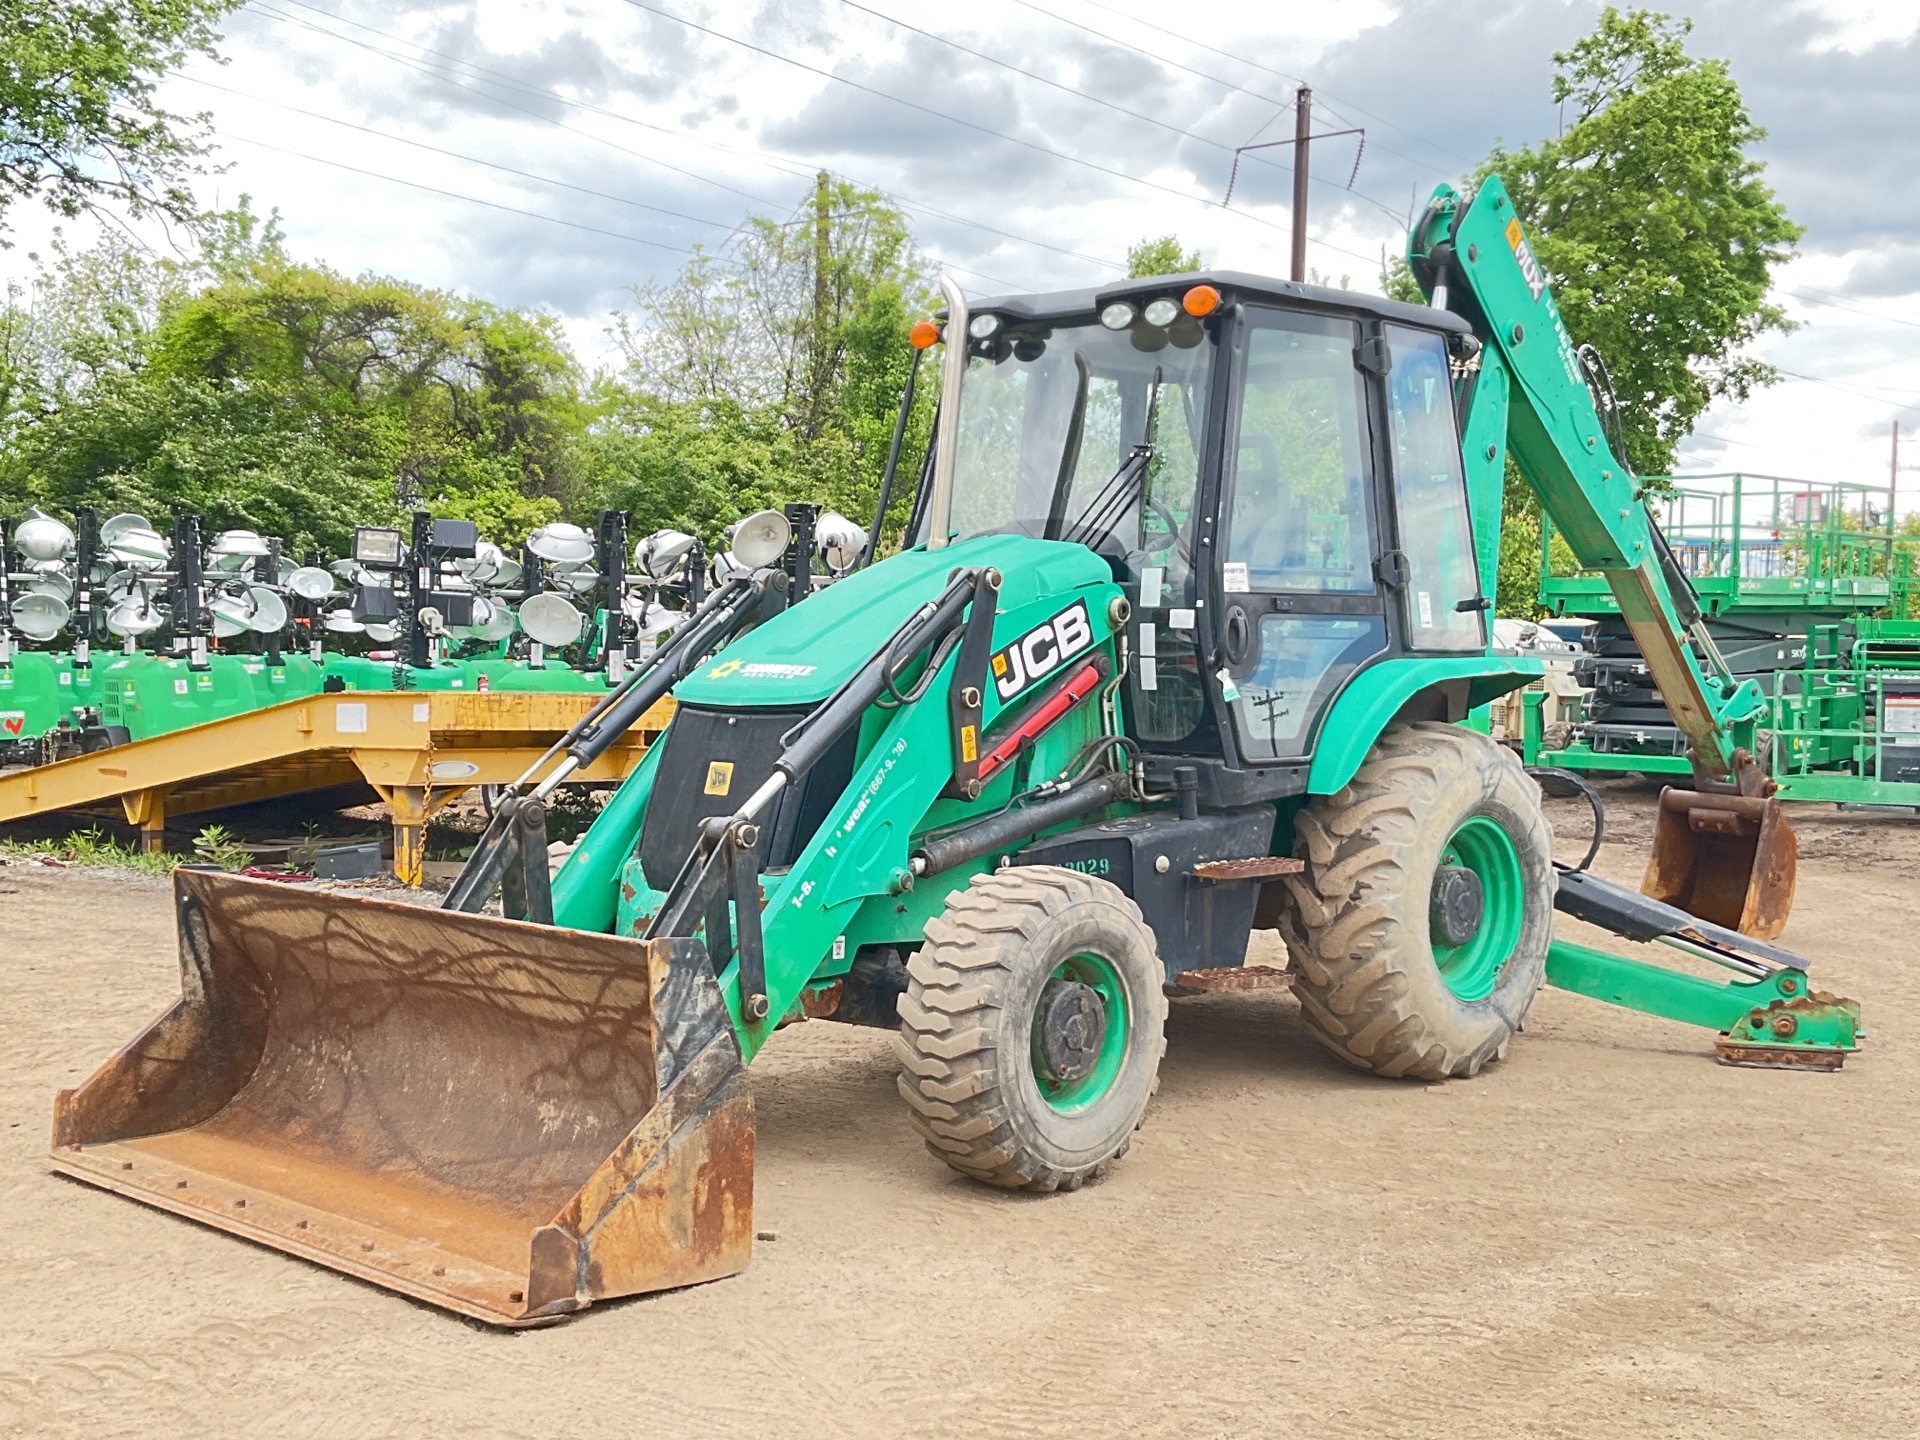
{"points": [[1660, 237], [1397, 282], [771, 372], [90, 847], [78, 122], [1160, 257], [1655, 225], [216, 845], [1517, 590], [282, 397]]}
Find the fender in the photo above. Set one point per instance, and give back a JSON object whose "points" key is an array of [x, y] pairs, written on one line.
{"points": [[1374, 696]]}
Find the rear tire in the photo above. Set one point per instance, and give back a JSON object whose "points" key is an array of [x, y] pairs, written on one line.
{"points": [[1010, 950], [1386, 981]]}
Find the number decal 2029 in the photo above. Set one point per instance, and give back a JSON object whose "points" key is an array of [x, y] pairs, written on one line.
{"points": [[1042, 650]]}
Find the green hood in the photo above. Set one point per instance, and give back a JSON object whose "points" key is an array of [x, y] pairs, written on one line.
{"points": [[803, 655]]}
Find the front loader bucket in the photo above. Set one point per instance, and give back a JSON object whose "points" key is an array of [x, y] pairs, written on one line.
{"points": [[508, 1120], [1730, 859]]}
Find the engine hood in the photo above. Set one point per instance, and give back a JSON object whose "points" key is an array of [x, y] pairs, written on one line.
{"points": [[804, 654]]}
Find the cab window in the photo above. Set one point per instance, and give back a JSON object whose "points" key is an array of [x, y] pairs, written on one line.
{"points": [[1430, 495], [1299, 517]]}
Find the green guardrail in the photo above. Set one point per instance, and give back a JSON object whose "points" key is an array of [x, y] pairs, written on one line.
{"points": [[1763, 543]]}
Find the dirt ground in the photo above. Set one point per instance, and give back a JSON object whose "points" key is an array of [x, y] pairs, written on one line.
{"points": [[1607, 1235]]}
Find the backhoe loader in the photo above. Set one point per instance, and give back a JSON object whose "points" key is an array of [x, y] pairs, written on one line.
{"points": [[1186, 639]]}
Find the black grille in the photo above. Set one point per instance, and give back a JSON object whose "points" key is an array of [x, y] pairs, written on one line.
{"points": [[749, 741]]}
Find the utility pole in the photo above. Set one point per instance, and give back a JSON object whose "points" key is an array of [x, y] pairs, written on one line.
{"points": [[1302, 134], [822, 301]]}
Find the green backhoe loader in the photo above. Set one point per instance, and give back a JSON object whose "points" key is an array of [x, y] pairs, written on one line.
{"points": [[1194, 605]]}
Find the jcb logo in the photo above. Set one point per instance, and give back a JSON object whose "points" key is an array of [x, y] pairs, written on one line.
{"points": [[1530, 269], [1042, 650]]}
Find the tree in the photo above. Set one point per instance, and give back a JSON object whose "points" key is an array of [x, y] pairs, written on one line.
{"points": [[791, 343], [1655, 225], [79, 126], [1160, 257], [1659, 236], [287, 398]]}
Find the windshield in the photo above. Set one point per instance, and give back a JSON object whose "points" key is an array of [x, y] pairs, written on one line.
{"points": [[1049, 415]]}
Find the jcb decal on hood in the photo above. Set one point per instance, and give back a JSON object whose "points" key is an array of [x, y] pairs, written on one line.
{"points": [[1530, 270], [1042, 650]]}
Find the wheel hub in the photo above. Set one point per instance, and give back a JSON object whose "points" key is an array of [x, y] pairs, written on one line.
{"points": [[1459, 901], [1071, 1026]]}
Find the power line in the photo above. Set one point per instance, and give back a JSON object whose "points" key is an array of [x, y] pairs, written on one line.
{"points": [[779, 164], [1032, 145], [1807, 293], [1211, 78], [544, 179], [456, 195], [1852, 389], [456, 155], [455, 79], [1281, 74], [1098, 100]]}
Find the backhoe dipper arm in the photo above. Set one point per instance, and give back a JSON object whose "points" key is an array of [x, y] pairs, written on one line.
{"points": [[1470, 255]]}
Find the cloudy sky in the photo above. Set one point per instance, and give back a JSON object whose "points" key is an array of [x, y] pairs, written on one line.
{"points": [[552, 154]]}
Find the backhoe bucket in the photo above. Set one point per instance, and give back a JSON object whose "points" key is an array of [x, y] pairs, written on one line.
{"points": [[508, 1120], [1730, 859]]}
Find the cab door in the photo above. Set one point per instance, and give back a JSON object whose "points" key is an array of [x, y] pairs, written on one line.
{"points": [[1441, 609], [1300, 605]]}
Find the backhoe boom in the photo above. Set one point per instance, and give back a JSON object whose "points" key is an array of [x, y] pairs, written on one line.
{"points": [[1471, 255]]}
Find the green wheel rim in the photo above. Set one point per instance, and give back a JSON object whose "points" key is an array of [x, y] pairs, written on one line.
{"points": [[1471, 970], [1070, 1097]]}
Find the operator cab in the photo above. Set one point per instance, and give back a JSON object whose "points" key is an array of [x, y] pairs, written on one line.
{"points": [[1274, 471]]}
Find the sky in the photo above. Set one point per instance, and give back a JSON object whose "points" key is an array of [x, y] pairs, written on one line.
{"points": [[556, 154]]}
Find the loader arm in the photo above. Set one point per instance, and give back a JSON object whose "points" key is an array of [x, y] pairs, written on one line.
{"points": [[1471, 255]]}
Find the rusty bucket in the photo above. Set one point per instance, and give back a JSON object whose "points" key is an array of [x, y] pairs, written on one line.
{"points": [[1730, 859], [508, 1120]]}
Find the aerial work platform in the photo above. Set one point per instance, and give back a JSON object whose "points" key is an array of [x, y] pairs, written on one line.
{"points": [[418, 750]]}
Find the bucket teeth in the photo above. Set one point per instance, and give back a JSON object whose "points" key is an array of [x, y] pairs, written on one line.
{"points": [[507, 1120]]}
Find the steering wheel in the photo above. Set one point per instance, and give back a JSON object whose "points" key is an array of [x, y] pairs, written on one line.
{"points": [[1180, 546]]}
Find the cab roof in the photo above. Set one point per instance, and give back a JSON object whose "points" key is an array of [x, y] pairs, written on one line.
{"points": [[1233, 285]]}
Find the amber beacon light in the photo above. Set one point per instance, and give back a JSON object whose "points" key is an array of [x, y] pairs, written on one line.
{"points": [[1200, 300]]}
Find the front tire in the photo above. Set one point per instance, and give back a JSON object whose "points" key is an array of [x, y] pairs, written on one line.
{"points": [[1032, 1028], [1418, 931]]}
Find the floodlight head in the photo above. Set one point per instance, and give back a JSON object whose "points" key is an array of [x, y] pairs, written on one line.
{"points": [[761, 539], [561, 541], [663, 552], [269, 611], [378, 547], [839, 542], [310, 582], [136, 615], [39, 616], [41, 537], [551, 619]]}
